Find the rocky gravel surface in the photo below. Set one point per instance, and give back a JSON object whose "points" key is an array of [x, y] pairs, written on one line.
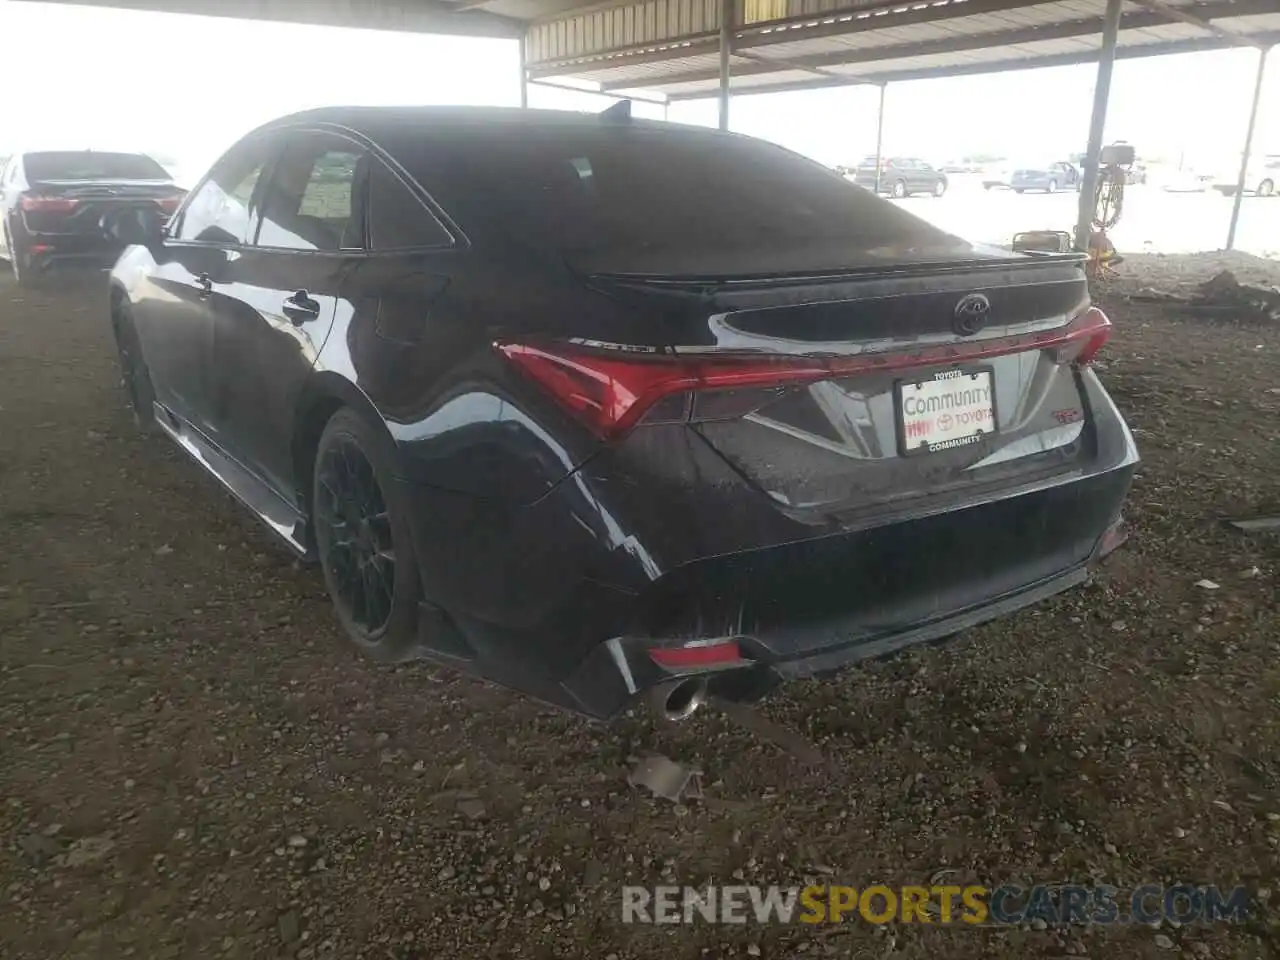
{"points": [[192, 766]]}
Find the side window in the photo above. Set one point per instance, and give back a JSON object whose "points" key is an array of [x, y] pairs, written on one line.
{"points": [[218, 212], [397, 218], [315, 198]]}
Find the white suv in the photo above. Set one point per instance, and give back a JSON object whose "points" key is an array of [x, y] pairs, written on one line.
{"points": [[1262, 178]]}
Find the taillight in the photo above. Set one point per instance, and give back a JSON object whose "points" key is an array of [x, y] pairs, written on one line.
{"points": [[1086, 335], [169, 204], [48, 204], [610, 393], [613, 389]]}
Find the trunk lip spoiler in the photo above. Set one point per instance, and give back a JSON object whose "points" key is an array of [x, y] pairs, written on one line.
{"points": [[884, 355], [880, 271]]}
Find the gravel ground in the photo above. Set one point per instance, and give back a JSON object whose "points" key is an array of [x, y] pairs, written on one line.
{"points": [[192, 766]]}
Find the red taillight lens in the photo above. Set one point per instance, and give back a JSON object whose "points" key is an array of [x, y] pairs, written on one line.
{"points": [[715, 653], [169, 204], [610, 393], [610, 390], [1088, 333], [48, 204]]}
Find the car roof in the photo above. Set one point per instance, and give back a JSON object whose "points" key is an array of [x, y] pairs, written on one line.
{"points": [[372, 121]]}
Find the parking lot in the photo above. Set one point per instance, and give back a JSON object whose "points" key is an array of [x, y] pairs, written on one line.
{"points": [[1154, 220], [193, 766]]}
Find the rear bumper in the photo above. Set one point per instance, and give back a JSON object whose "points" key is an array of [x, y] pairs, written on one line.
{"points": [[48, 250], [620, 670], [552, 617], [656, 543], [805, 609]]}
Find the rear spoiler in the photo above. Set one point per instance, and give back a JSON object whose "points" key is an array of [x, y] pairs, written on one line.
{"points": [[1014, 261]]}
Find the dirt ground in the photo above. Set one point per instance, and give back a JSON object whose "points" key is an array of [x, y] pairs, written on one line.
{"points": [[192, 766]]}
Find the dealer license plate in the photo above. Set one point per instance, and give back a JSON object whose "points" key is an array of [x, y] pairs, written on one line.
{"points": [[951, 409]]}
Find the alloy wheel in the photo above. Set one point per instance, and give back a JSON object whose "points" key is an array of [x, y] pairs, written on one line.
{"points": [[1266, 188], [353, 533]]}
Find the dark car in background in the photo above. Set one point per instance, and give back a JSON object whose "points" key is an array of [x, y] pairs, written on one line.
{"points": [[901, 177], [52, 204], [606, 409]]}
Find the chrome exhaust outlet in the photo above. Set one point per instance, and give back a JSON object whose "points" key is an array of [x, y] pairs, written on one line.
{"points": [[678, 700]]}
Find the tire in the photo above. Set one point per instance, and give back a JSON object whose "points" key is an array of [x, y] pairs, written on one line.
{"points": [[363, 538], [939, 188], [1019, 189], [133, 369], [1052, 187], [1266, 188], [899, 189]]}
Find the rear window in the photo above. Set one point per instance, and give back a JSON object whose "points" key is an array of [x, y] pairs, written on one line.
{"points": [[643, 190], [92, 165]]}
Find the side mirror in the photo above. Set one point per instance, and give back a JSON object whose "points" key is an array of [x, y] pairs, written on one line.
{"points": [[133, 225]]}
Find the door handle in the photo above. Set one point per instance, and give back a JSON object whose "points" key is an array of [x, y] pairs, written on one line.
{"points": [[204, 284], [300, 308]]}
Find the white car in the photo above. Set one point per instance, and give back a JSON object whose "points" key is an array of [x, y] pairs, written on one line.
{"points": [[1262, 178]]}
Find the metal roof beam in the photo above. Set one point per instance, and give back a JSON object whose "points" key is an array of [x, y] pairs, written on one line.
{"points": [[400, 16], [995, 66], [773, 63], [637, 95], [880, 16], [1177, 13], [702, 43], [958, 44]]}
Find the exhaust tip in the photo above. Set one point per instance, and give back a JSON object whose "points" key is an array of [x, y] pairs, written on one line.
{"points": [[679, 699]]}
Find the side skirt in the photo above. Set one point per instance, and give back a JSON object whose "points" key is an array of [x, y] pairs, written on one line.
{"points": [[281, 517]]}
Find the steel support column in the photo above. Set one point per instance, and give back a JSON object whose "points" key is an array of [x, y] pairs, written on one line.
{"points": [[879, 133], [1248, 148], [726, 42], [1097, 124], [524, 77]]}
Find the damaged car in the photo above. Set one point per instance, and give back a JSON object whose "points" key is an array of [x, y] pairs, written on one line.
{"points": [[618, 412]]}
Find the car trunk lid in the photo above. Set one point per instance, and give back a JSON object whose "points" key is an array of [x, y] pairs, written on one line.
{"points": [[77, 206], [848, 391]]}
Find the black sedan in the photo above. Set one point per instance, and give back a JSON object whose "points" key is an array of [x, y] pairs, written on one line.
{"points": [[601, 408], [52, 203]]}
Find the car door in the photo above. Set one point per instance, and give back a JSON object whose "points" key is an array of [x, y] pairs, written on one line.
{"points": [[281, 297], [175, 315], [926, 177]]}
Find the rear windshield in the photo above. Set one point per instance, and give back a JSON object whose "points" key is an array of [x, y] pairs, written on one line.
{"points": [[594, 194], [92, 165]]}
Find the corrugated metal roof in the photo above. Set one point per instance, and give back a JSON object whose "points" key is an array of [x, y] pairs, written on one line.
{"points": [[822, 42]]}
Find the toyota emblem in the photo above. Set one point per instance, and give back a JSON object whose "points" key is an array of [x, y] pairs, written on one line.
{"points": [[971, 314]]}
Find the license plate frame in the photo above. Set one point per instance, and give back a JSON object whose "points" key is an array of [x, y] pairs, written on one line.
{"points": [[954, 440]]}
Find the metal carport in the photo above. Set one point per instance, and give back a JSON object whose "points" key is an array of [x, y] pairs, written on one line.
{"points": [[690, 49]]}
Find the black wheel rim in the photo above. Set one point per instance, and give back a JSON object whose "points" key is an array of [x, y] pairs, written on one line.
{"points": [[353, 532]]}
